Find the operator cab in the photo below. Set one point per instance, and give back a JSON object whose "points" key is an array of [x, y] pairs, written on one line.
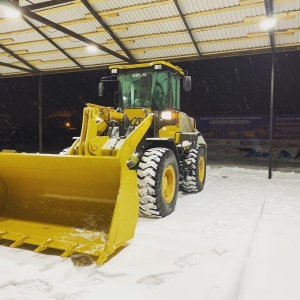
{"points": [[154, 86]]}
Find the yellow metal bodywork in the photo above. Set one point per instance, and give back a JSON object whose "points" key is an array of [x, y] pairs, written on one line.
{"points": [[171, 131], [148, 65], [136, 113], [201, 169], [83, 202], [168, 184]]}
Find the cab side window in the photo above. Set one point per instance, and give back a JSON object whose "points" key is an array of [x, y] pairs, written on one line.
{"points": [[175, 92], [160, 91]]}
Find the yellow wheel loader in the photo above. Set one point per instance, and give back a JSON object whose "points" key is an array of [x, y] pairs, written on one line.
{"points": [[127, 161]]}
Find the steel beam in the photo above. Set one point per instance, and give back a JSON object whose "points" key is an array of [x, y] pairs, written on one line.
{"points": [[107, 29], [52, 42], [187, 27], [47, 4], [16, 67], [26, 12], [20, 59]]}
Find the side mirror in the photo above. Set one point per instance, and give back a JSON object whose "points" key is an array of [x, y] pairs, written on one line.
{"points": [[187, 83], [100, 89]]}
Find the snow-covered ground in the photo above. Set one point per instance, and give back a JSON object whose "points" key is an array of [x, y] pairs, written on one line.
{"points": [[237, 239]]}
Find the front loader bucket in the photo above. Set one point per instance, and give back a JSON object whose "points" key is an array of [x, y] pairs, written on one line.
{"points": [[78, 204]]}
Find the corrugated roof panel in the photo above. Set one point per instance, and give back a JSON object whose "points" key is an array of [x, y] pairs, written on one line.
{"points": [[93, 36], [83, 57], [228, 17], [55, 65], [192, 6], [161, 27], [255, 11], [144, 14], [79, 53], [33, 48], [51, 33], [167, 52], [288, 39], [109, 5], [45, 57], [237, 45], [2, 12], [9, 71], [84, 27], [25, 2], [35, 23], [8, 59], [77, 28], [286, 6], [132, 14], [70, 43], [100, 39], [224, 33], [10, 25], [100, 61], [71, 13], [289, 23], [206, 21], [172, 39], [24, 37]]}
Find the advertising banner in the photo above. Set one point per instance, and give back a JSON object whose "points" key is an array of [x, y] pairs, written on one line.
{"points": [[251, 130]]}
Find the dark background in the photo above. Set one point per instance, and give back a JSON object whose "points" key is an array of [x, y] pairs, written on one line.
{"points": [[224, 86]]}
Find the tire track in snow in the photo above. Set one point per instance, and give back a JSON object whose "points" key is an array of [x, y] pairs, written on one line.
{"points": [[182, 196], [218, 213], [155, 279], [229, 284], [34, 289]]}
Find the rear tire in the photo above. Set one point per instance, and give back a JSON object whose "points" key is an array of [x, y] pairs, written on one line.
{"points": [[158, 182], [194, 182]]}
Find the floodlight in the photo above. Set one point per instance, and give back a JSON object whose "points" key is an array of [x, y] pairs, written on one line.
{"points": [[268, 24], [91, 48]]}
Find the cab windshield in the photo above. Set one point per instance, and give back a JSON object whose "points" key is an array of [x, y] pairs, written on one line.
{"points": [[147, 89]]}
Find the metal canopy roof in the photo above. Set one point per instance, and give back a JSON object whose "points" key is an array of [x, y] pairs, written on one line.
{"points": [[52, 35]]}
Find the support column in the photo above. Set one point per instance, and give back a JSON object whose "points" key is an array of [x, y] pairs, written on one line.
{"points": [[271, 114], [40, 114]]}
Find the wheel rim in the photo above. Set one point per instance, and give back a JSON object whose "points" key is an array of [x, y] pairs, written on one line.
{"points": [[168, 184], [201, 169]]}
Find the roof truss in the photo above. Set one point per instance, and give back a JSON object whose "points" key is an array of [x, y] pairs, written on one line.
{"points": [[53, 34]]}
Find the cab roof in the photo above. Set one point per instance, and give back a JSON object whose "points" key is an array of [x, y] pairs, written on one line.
{"points": [[149, 65]]}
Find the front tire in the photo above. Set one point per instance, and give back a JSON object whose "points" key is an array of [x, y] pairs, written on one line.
{"points": [[195, 180], [158, 182]]}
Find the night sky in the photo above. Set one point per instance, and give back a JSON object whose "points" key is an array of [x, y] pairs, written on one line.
{"points": [[226, 86]]}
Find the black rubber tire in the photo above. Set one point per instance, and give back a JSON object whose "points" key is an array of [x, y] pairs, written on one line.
{"points": [[152, 167], [193, 183]]}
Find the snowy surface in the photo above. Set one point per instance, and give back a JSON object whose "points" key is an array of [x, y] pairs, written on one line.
{"points": [[237, 239]]}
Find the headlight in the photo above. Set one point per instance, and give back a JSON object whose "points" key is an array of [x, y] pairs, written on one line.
{"points": [[166, 115]]}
